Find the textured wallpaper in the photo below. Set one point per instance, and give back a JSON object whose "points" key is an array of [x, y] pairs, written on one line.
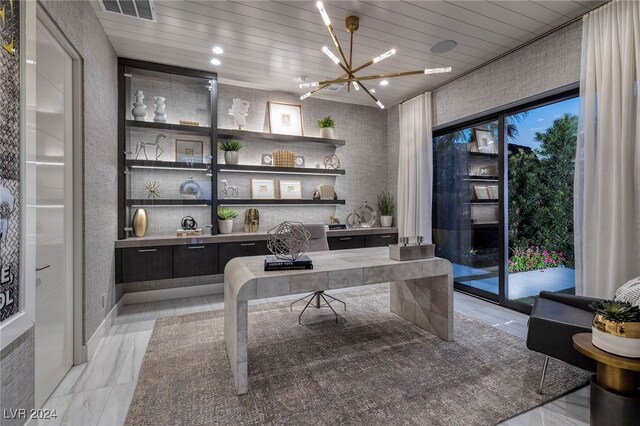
{"points": [[549, 63]]}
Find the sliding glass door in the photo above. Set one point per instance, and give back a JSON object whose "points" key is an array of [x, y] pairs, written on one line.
{"points": [[466, 206], [503, 201], [541, 155]]}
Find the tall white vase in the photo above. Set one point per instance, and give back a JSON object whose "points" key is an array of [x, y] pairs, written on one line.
{"points": [[160, 116], [139, 110]]}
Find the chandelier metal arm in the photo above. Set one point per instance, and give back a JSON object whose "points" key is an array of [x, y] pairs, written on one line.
{"points": [[334, 37], [371, 77]]}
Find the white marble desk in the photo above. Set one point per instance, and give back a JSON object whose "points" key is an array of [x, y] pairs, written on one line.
{"points": [[421, 292]]}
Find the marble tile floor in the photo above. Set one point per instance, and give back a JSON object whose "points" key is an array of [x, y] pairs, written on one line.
{"points": [[100, 391]]}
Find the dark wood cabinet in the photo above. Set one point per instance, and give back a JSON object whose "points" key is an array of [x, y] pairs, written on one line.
{"points": [[381, 240], [343, 243], [194, 260], [146, 263], [228, 251]]}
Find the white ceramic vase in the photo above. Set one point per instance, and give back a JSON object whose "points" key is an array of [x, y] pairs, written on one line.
{"points": [[160, 116], [225, 226], [326, 132], [232, 157], [386, 221], [139, 110]]}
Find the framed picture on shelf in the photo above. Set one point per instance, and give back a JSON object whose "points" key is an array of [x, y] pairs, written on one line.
{"points": [[485, 142], [189, 151], [263, 189], [285, 119], [290, 190]]}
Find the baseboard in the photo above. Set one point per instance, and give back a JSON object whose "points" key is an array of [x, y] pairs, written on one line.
{"points": [[171, 293], [94, 342]]}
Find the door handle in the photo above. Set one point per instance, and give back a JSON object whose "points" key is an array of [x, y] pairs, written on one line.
{"points": [[247, 244], [147, 250], [195, 247], [42, 268], [345, 239]]}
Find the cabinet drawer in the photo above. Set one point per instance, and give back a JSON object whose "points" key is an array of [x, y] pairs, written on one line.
{"points": [[381, 240], [342, 243], [194, 260], [146, 263], [228, 251]]}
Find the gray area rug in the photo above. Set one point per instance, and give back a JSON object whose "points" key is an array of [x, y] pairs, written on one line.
{"points": [[372, 368]]}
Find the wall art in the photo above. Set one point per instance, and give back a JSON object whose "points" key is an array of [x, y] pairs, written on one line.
{"points": [[290, 190], [188, 151], [262, 189], [285, 119]]}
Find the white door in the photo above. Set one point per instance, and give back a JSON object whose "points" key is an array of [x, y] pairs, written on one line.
{"points": [[54, 174]]}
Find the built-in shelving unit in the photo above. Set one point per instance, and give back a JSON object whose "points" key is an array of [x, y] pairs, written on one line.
{"points": [[158, 202], [247, 135], [278, 170], [173, 165], [196, 130], [251, 202]]}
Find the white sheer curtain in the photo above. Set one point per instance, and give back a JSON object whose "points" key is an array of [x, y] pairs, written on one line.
{"points": [[415, 168], [607, 180]]}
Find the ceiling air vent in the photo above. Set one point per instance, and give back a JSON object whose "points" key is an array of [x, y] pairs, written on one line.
{"points": [[142, 9], [336, 87]]}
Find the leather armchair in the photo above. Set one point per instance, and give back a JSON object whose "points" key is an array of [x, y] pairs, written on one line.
{"points": [[554, 319]]}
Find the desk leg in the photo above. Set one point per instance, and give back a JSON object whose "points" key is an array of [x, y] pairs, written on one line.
{"points": [[426, 302], [235, 336]]}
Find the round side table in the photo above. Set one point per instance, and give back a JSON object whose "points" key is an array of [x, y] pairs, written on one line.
{"points": [[615, 397]]}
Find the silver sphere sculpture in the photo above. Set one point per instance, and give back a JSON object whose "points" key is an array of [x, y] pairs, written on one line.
{"points": [[331, 162], [288, 241]]}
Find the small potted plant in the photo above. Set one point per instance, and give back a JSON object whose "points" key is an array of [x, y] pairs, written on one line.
{"points": [[616, 327], [386, 207], [225, 220], [231, 150], [326, 127]]}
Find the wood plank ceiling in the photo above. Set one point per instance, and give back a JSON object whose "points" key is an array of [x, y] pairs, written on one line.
{"points": [[269, 44]]}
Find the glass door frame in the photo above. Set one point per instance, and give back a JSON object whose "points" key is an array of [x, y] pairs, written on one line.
{"points": [[500, 114]]}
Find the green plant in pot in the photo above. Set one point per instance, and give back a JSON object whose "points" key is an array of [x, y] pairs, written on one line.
{"points": [[386, 207], [326, 126], [225, 220], [231, 150], [616, 327]]}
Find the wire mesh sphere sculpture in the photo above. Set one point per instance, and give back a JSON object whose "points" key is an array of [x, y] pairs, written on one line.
{"points": [[288, 241], [331, 162]]}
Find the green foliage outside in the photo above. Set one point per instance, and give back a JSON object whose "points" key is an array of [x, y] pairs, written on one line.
{"points": [[541, 198]]}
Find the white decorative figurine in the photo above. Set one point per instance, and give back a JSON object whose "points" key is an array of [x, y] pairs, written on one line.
{"points": [[139, 110], [239, 110], [159, 115]]}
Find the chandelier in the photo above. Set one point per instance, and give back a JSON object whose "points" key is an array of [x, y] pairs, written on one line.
{"points": [[352, 23]]}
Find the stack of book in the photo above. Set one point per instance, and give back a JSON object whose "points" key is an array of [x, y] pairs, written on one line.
{"points": [[272, 263]]}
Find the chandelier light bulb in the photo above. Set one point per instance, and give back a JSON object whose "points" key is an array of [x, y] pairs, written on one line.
{"points": [[380, 104], [308, 85], [437, 70], [330, 54], [356, 85], [305, 96], [385, 55], [323, 12]]}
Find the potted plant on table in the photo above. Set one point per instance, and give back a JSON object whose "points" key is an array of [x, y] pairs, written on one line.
{"points": [[386, 207], [231, 150], [616, 327], [326, 126], [225, 220]]}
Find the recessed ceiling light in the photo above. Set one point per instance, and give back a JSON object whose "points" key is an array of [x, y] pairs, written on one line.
{"points": [[384, 83], [215, 61], [444, 46], [302, 78], [373, 90], [218, 50]]}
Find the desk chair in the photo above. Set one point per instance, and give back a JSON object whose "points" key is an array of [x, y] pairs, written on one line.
{"points": [[317, 242]]}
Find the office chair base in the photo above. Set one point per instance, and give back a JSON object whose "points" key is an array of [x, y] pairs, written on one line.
{"points": [[318, 303]]}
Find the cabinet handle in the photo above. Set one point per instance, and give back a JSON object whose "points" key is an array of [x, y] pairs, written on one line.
{"points": [[42, 268], [147, 250], [345, 239], [385, 236], [247, 244], [195, 247]]}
